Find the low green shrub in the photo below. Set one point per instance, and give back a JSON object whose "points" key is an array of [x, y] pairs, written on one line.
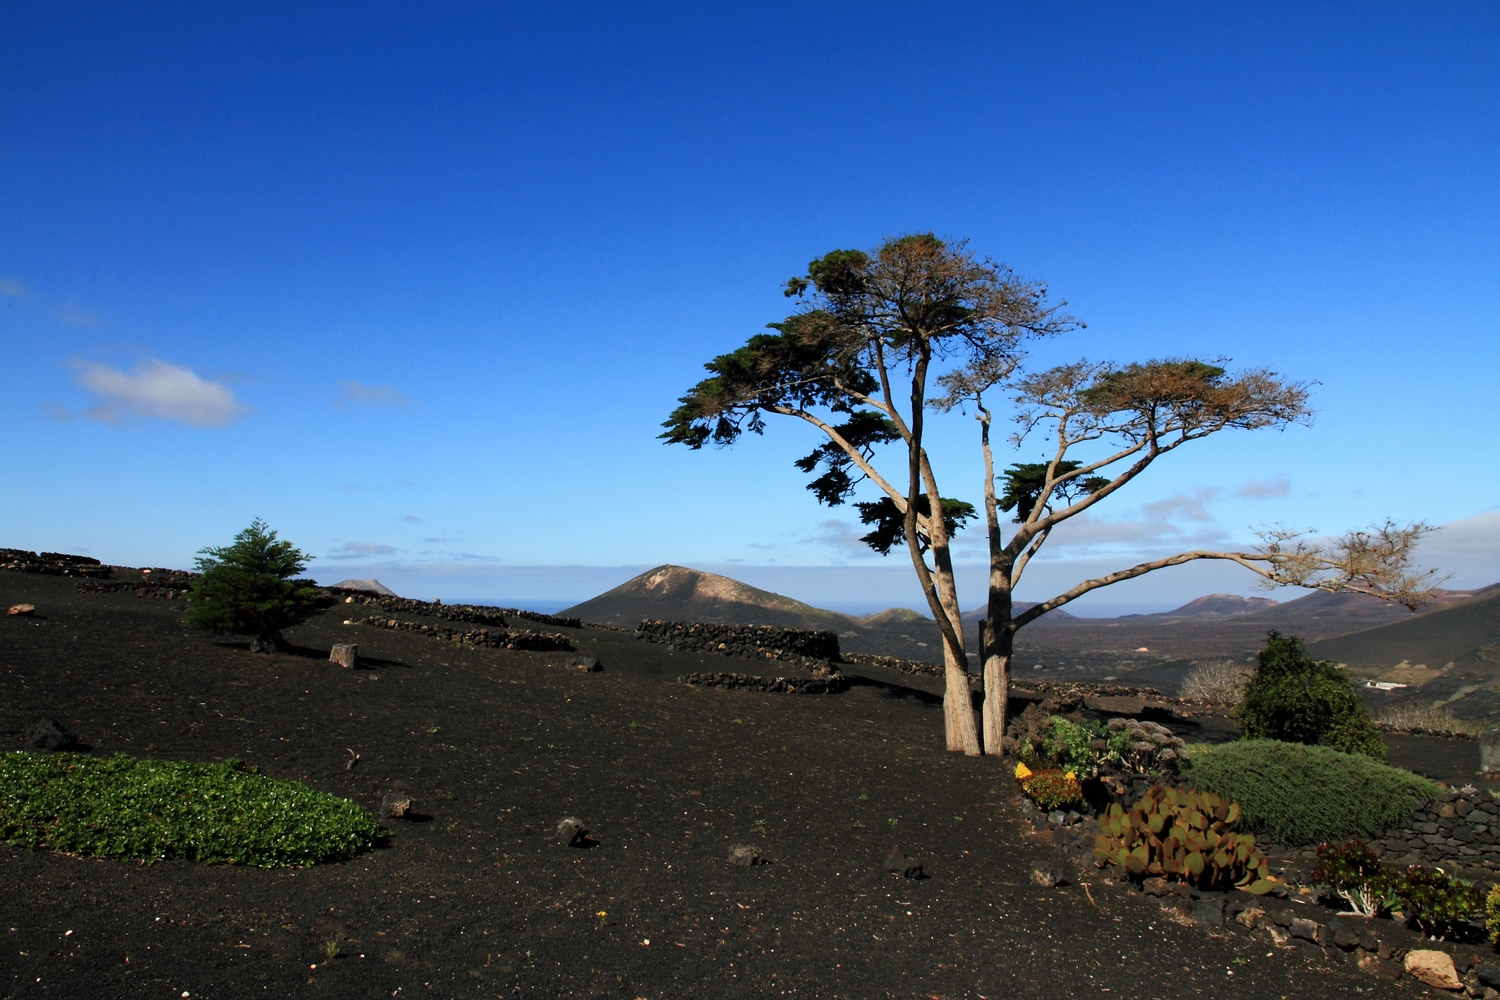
{"points": [[125, 807], [1294, 698], [1299, 794], [1069, 745], [1082, 745]]}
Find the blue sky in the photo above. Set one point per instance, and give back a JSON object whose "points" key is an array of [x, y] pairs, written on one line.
{"points": [[418, 284]]}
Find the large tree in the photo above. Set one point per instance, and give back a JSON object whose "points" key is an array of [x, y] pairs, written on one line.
{"points": [[856, 361]]}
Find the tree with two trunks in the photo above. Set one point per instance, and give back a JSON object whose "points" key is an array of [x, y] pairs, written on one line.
{"points": [[921, 326]]}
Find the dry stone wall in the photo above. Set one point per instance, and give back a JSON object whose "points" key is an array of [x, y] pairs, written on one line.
{"points": [[807, 648], [498, 638], [126, 587], [913, 667], [476, 614], [53, 564]]}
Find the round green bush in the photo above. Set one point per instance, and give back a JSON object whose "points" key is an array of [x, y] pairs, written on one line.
{"points": [[125, 807], [1299, 794], [1295, 698]]}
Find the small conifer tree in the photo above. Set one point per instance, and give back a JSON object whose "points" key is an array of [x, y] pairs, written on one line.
{"points": [[1296, 699], [250, 588]]}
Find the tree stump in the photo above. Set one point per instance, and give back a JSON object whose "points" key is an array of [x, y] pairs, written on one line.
{"points": [[345, 654]]}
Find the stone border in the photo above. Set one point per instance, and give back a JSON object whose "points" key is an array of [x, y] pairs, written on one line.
{"points": [[832, 684]]}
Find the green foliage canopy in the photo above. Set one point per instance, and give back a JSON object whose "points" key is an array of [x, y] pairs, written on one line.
{"points": [[870, 317], [890, 524], [249, 587]]}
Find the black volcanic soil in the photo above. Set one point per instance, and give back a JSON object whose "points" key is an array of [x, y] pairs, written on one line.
{"points": [[477, 900]]}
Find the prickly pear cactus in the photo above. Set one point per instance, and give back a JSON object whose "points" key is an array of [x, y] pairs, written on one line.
{"points": [[1182, 835]]}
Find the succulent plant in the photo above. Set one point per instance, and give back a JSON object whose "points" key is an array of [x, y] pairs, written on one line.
{"points": [[1357, 877], [1052, 789], [1182, 835]]}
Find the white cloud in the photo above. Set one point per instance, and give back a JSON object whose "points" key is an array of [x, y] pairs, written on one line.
{"points": [[1265, 489], [1468, 548], [353, 393], [1193, 506], [158, 390], [75, 315], [359, 550]]}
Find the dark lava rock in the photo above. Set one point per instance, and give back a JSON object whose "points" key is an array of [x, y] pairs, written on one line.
{"points": [[50, 735], [1156, 887], [572, 833], [1488, 974], [1348, 931], [587, 664], [1209, 911], [902, 865]]}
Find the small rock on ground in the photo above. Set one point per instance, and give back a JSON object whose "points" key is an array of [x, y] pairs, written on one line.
{"points": [[1046, 875], [397, 805], [50, 735], [903, 866], [1433, 968], [572, 833]]}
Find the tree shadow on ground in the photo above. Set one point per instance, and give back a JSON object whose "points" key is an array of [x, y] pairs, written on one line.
{"points": [[898, 692]]}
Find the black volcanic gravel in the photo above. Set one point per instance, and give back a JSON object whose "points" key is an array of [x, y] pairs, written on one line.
{"points": [[477, 899]]}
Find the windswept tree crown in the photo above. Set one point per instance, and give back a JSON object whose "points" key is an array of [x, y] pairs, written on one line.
{"points": [[914, 299]]}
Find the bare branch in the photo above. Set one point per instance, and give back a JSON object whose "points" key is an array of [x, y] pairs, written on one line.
{"points": [[1376, 562]]}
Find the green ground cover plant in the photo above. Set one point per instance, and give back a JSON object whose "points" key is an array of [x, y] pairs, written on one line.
{"points": [[1294, 698], [125, 807], [1300, 794]]}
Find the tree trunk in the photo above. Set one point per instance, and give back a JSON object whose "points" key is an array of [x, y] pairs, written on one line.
{"points": [[958, 705], [996, 646]]}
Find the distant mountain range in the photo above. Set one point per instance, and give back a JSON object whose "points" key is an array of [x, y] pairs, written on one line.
{"points": [[1214, 625]]}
